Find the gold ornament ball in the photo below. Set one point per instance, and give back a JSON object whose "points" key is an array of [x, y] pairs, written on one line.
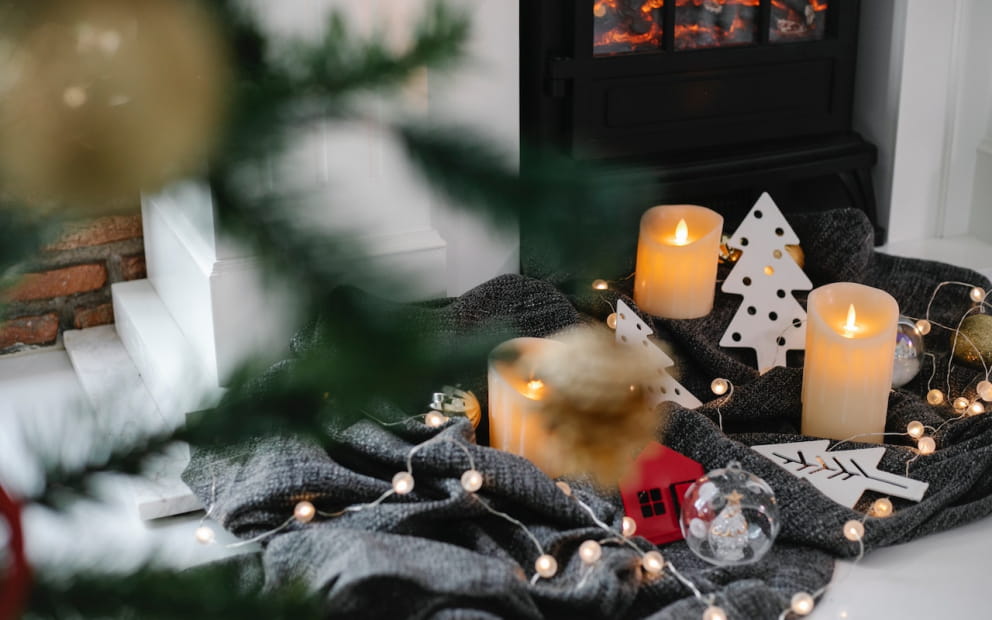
{"points": [[797, 254], [926, 445], [973, 341], [854, 530], [935, 397], [109, 98]]}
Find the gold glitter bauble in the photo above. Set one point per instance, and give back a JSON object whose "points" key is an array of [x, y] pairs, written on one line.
{"points": [[102, 99], [975, 341], [593, 403], [797, 254]]}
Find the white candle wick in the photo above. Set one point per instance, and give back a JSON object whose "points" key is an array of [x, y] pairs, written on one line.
{"points": [[682, 233], [851, 327]]}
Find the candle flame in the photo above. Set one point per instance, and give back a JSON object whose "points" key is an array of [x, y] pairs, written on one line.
{"points": [[534, 388], [851, 326], [682, 233]]}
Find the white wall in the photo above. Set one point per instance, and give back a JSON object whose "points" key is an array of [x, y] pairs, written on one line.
{"points": [[924, 96]]}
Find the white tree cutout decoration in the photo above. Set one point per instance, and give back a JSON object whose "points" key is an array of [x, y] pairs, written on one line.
{"points": [[769, 320], [841, 475], [632, 331]]}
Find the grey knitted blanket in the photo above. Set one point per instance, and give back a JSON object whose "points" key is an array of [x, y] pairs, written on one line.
{"points": [[438, 552]]}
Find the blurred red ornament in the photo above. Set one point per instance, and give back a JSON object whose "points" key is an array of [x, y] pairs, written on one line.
{"points": [[15, 579]]}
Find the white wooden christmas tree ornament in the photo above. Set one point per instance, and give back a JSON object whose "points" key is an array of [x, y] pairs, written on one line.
{"points": [[841, 475], [769, 320], [632, 331]]}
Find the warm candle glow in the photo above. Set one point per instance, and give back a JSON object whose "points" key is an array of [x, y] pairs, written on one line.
{"points": [[682, 233], [534, 388], [851, 327]]}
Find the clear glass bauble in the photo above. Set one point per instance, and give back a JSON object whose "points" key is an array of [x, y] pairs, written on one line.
{"points": [[730, 517], [909, 352]]}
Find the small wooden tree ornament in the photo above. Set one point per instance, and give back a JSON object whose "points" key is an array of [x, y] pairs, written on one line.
{"points": [[770, 320], [632, 331]]}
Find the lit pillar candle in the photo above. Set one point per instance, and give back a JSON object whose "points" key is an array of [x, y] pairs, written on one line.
{"points": [[677, 255], [515, 394], [850, 348]]}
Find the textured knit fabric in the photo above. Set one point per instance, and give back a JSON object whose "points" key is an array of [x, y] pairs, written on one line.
{"points": [[438, 552]]}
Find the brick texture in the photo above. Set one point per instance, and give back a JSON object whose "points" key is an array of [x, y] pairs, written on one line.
{"points": [[67, 287], [59, 282], [133, 267], [98, 232], [91, 317], [29, 330]]}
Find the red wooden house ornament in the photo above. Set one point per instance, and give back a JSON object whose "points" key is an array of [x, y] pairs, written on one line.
{"points": [[653, 490]]}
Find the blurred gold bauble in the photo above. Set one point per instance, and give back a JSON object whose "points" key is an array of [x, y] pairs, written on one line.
{"points": [[103, 99], [593, 403], [975, 341]]}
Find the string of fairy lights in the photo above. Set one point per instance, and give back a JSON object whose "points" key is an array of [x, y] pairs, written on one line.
{"points": [[653, 565]]}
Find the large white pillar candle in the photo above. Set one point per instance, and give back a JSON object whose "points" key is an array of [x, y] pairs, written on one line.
{"points": [[515, 394], [677, 255], [850, 348]]}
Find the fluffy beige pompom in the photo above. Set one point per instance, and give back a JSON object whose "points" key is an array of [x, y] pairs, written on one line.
{"points": [[594, 405]]}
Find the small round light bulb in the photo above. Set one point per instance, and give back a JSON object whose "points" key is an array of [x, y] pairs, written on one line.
{"points": [[600, 285], [976, 408], [204, 535], [923, 326], [653, 563], [977, 294], [590, 551], [802, 603], [854, 530], [435, 419], [611, 321], [984, 389], [471, 480], [926, 445], [629, 527], [714, 613], [304, 512], [961, 404], [915, 429], [546, 566], [882, 507], [402, 483], [565, 488], [720, 386], [935, 397]]}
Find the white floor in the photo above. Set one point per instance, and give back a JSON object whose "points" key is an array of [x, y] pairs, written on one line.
{"points": [[941, 576]]}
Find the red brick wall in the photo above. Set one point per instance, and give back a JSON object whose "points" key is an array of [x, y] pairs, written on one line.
{"points": [[68, 285]]}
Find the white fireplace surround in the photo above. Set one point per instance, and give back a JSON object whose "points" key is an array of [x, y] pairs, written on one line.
{"points": [[924, 96]]}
